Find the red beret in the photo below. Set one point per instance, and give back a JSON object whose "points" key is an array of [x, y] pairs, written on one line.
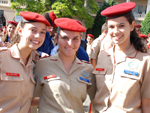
{"points": [[4, 32], [148, 34], [52, 18], [70, 24], [143, 36], [90, 35], [4, 26], [137, 25], [118, 10], [12, 22], [33, 17], [1, 29]]}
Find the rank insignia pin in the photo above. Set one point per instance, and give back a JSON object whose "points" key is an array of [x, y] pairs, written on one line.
{"points": [[85, 74]]}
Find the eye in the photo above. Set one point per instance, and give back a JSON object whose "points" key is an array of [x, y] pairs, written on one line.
{"points": [[122, 25], [43, 32], [111, 26], [64, 38], [75, 38]]}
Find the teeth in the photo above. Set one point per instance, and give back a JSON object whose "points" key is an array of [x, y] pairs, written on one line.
{"points": [[35, 42]]}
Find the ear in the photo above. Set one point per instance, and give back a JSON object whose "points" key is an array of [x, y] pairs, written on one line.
{"points": [[132, 25], [20, 31]]}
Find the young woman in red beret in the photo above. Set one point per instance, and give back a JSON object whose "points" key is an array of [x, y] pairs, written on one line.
{"points": [[10, 30], [17, 62], [123, 71], [62, 79]]}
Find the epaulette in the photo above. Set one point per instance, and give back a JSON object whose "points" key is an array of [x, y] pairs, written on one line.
{"points": [[53, 59], [85, 61], [3, 48], [44, 57]]}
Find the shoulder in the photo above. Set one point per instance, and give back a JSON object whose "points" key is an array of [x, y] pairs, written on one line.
{"points": [[3, 49]]}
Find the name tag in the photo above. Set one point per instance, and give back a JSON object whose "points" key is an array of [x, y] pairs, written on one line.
{"points": [[13, 74], [50, 76], [131, 72], [84, 79], [100, 69]]}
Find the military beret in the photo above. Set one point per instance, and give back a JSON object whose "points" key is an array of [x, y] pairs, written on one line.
{"points": [[4, 26], [33, 17], [69, 24], [90, 35], [143, 36], [148, 34], [138, 25], [52, 17], [118, 10], [12, 22]]}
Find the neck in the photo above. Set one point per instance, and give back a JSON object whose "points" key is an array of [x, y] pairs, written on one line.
{"points": [[67, 62], [24, 53], [123, 48]]}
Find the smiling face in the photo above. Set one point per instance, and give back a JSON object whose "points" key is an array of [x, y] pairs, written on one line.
{"points": [[10, 30], [69, 43], [120, 29], [32, 35]]}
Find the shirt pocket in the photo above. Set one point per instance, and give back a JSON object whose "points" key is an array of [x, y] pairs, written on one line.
{"points": [[129, 83], [10, 84], [100, 74], [53, 86], [32, 86]]}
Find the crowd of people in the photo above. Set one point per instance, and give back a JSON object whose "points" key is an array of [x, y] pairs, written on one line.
{"points": [[44, 62]]}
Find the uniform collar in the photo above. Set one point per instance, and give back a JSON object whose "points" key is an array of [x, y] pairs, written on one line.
{"points": [[131, 53], [77, 63], [14, 52]]}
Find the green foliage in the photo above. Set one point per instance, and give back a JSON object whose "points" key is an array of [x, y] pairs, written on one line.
{"points": [[99, 19], [145, 29], [39, 6], [75, 8], [62, 8]]}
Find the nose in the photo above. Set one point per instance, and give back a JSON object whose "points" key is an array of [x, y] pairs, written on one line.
{"points": [[69, 42], [37, 35], [116, 30]]}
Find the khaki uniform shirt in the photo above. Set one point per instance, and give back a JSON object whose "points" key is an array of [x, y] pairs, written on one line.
{"points": [[96, 44], [121, 86], [61, 92], [16, 81]]}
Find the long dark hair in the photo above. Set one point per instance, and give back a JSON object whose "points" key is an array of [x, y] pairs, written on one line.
{"points": [[134, 37]]}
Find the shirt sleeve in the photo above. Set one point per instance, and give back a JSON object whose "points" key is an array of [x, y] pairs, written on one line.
{"points": [[145, 87]]}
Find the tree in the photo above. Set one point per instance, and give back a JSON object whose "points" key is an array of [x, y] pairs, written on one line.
{"points": [[99, 19], [145, 29], [62, 8]]}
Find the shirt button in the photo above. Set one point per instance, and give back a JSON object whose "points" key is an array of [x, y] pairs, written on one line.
{"points": [[68, 93], [70, 107], [68, 77]]}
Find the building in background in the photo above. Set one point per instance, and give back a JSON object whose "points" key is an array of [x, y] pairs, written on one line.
{"points": [[8, 13], [142, 7]]}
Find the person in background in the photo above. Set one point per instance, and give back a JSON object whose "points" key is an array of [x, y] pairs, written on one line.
{"points": [[47, 46], [137, 28], [96, 45], [63, 86], [17, 62], [54, 40], [10, 29], [90, 39], [123, 71]]}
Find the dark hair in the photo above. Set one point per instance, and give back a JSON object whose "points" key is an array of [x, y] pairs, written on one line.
{"points": [[134, 37]]}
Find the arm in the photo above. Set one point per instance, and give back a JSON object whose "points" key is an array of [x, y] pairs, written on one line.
{"points": [[145, 105], [35, 102], [93, 62]]}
